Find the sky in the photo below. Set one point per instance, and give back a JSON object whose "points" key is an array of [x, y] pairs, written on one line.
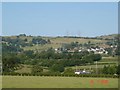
{"points": [[60, 19]]}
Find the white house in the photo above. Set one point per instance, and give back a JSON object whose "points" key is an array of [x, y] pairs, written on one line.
{"points": [[82, 72], [77, 72]]}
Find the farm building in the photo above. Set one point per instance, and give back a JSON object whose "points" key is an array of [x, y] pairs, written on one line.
{"points": [[82, 72]]}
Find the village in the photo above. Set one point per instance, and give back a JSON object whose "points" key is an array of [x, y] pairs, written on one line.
{"points": [[96, 50]]}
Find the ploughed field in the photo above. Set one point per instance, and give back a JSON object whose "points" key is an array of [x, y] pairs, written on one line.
{"points": [[57, 82]]}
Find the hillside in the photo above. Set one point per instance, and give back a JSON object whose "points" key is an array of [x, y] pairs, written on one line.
{"points": [[111, 36], [57, 42], [40, 55]]}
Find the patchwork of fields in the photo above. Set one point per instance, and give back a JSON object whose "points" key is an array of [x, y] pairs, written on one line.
{"points": [[57, 81]]}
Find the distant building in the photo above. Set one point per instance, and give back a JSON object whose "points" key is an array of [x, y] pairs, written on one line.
{"points": [[77, 72], [82, 72]]}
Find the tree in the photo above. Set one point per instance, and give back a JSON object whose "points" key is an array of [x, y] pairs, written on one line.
{"points": [[87, 59], [10, 48], [38, 40], [96, 57], [118, 70], [37, 69], [22, 35], [83, 53], [25, 40], [49, 53], [10, 62], [89, 44], [57, 68], [110, 50], [105, 70], [117, 50], [109, 70], [49, 41], [69, 71], [29, 53], [90, 58]]}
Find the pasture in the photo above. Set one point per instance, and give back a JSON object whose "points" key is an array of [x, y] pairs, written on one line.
{"points": [[57, 82]]}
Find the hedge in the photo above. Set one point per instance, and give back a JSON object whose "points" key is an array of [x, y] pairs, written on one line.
{"points": [[62, 75]]}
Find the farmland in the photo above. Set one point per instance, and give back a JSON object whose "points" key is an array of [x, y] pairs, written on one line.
{"points": [[57, 42], [57, 82], [59, 45], [105, 61], [51, 62]]}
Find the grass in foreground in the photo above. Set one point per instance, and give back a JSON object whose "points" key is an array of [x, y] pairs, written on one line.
{"points": [[57, 82]]}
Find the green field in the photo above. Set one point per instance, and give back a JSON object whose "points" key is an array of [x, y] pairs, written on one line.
{"points": [[57, 82]]}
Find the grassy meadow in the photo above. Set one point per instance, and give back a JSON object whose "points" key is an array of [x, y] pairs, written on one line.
{"points": [[57, 82]]}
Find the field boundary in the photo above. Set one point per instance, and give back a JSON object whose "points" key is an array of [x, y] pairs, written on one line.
{"points": [[62, 75]]}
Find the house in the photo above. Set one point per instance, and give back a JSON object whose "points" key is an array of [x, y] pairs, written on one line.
{"points": [[85, 72], [97, 50], [79, 50], [56, 49], [77, 72], [82, 72]]}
